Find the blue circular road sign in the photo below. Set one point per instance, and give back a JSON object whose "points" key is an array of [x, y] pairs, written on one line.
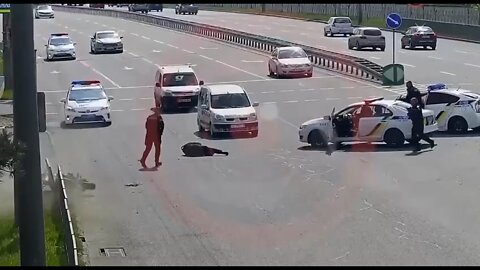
{"points": [[394, 20]]}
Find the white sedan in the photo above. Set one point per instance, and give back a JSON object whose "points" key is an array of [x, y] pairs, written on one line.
{"points": [[290, 61], [374, 120]]}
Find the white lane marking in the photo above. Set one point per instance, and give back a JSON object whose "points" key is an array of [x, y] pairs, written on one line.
{"points": [[206, 57], [117, 110], [135, 34], [434, 57], [95, 23], [146, 60], [347, 87], [448, 73], [127, 68], [267, 80], [145, 98], [458, 51], [147, 38], [80, 32], [239, 69], [49, 103], [55, 72], [209, 48], [267, 92], [187, 51], [158, 41], [407, 65], [332, 98], [310, 89], [132, 54], [402, 52], [156, 51], [374, 57], [139, 109], [285, 91], [354, 97], [173, 46], [312, 100], [126, 99], [104, 25], [285, 31], [66, 27], [291, 101], [51, 113], [269, 102], [101, 74], [472, 65], [304, 34], [252, 61], [74, 30]]}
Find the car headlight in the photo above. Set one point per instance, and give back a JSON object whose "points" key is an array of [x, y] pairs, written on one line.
{"points": [[219, 117], [70, 109], [168, 93], [253, 116]]}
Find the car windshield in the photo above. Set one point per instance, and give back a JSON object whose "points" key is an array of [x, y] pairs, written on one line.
{"points": [[43, 8], [225, 101], [372, 32], [342, 20], [292, 53], [60, 41], [107, 35], [179, 79], [87, 94]]}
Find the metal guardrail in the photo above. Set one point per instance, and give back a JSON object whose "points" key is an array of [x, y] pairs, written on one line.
{"points": [[344, 64], [57, 184]]}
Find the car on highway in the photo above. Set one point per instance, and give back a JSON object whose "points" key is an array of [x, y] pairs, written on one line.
{"points": [[186, 9], [157, 7], [226, 108], [44, 11], [419, 36], [86, 102], [367, 37], [289, 61], [338, 25], [97, 5], [373, 120], [106, 41], [143, 8], [176, 87], [60, 46], [456, 110]]}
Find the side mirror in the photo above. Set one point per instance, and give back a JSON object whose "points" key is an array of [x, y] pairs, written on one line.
{"points": [[63, 100], [121, 37], [110, 98], [46, 45], [157, 84], [201, 83], [255, 104]]}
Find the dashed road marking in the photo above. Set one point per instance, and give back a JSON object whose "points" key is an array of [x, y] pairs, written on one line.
{"points": [[158, 41], [252, 61], [332, 98], [132, 54], [239, 69], [285, 31], [147, 38], [135, 34], [117, 110], [267, 92], [208, 48], [269, 102], [376, 58], [448, 73], [147, 60], [291, 101], [312, 100], [101, 74], [458, 51], [434, 57], [51, 113], [206, 57], [354, 97], [187, 51], [173, 46], [139, 109], [347, 87], [125, 99], [471, 65], [285, 91], [407, 65], [156, 51], [304, 34], [127, 68]]}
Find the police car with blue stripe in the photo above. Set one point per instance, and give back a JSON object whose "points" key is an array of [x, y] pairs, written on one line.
{"points": [[87, 102], [60, 46], [373, 120], [456, 110]]}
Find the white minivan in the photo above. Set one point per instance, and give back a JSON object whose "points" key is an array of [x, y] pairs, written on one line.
{"points": [[226, 108]]}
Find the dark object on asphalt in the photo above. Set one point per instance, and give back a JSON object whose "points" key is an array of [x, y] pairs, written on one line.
{"points": [[195, 149], [416, 115]]}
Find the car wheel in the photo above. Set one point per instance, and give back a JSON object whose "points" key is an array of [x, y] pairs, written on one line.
{"points": [[410, 45], [196, 13], [457, 125], [324, 32], [316, 139], [270, 72], [350, 47], [394, 138], [277, 73], [403, 45], [345, 35], [310, 74]]}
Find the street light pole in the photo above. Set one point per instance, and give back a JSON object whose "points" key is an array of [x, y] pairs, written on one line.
{"points": [[28, 177]]}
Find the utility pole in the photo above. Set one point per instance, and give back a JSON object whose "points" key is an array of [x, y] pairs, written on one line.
{"points": [[28, 178], [360, 14], [7, 53]]}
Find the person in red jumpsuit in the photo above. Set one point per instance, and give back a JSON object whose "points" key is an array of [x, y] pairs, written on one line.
{"points": [[153, 137]]}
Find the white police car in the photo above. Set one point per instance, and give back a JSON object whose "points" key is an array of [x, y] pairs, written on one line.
{"points": [[60, 46], [456, 110], [87, 102], [373, 120]]}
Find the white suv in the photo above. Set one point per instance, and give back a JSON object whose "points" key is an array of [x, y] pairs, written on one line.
{"points": [[338, 25], [176, 87], [226, 108]]}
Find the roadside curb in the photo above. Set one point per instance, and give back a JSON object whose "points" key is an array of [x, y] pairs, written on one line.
{"points": [[322, 21]]}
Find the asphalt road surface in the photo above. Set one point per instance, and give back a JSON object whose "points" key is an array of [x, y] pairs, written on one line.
{"points": [[453, 62], [273, 200]]}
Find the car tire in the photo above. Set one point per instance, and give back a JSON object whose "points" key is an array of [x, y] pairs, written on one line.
{"points": [[310, 74], [350, 47], [394, 138], [277, 74], [402, 45], [316, 139], [410, 45], [457, 125], [324, 32], [196, 13], [120, 51]]}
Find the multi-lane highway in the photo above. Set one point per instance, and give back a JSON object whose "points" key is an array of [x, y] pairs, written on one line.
{"points": [[272, 201], [454, 62]]}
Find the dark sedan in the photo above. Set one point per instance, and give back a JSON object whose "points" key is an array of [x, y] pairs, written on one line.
{"points": [[419, 36]]}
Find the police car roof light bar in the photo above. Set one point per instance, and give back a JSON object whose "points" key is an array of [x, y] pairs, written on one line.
{"points": [[438, 86], [85, 82], [370, 100]]}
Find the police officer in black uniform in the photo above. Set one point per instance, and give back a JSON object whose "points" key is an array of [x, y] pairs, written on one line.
{"points": [[413, 92], [416, 115]]}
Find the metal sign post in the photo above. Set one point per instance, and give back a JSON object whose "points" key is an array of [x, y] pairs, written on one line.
{"points": [[393, 74], [394, 21]]}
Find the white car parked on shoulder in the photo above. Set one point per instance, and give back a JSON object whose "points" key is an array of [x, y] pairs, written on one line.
{"points": [[456, 110], [373, 120], [338, 26], [290, 61]]}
